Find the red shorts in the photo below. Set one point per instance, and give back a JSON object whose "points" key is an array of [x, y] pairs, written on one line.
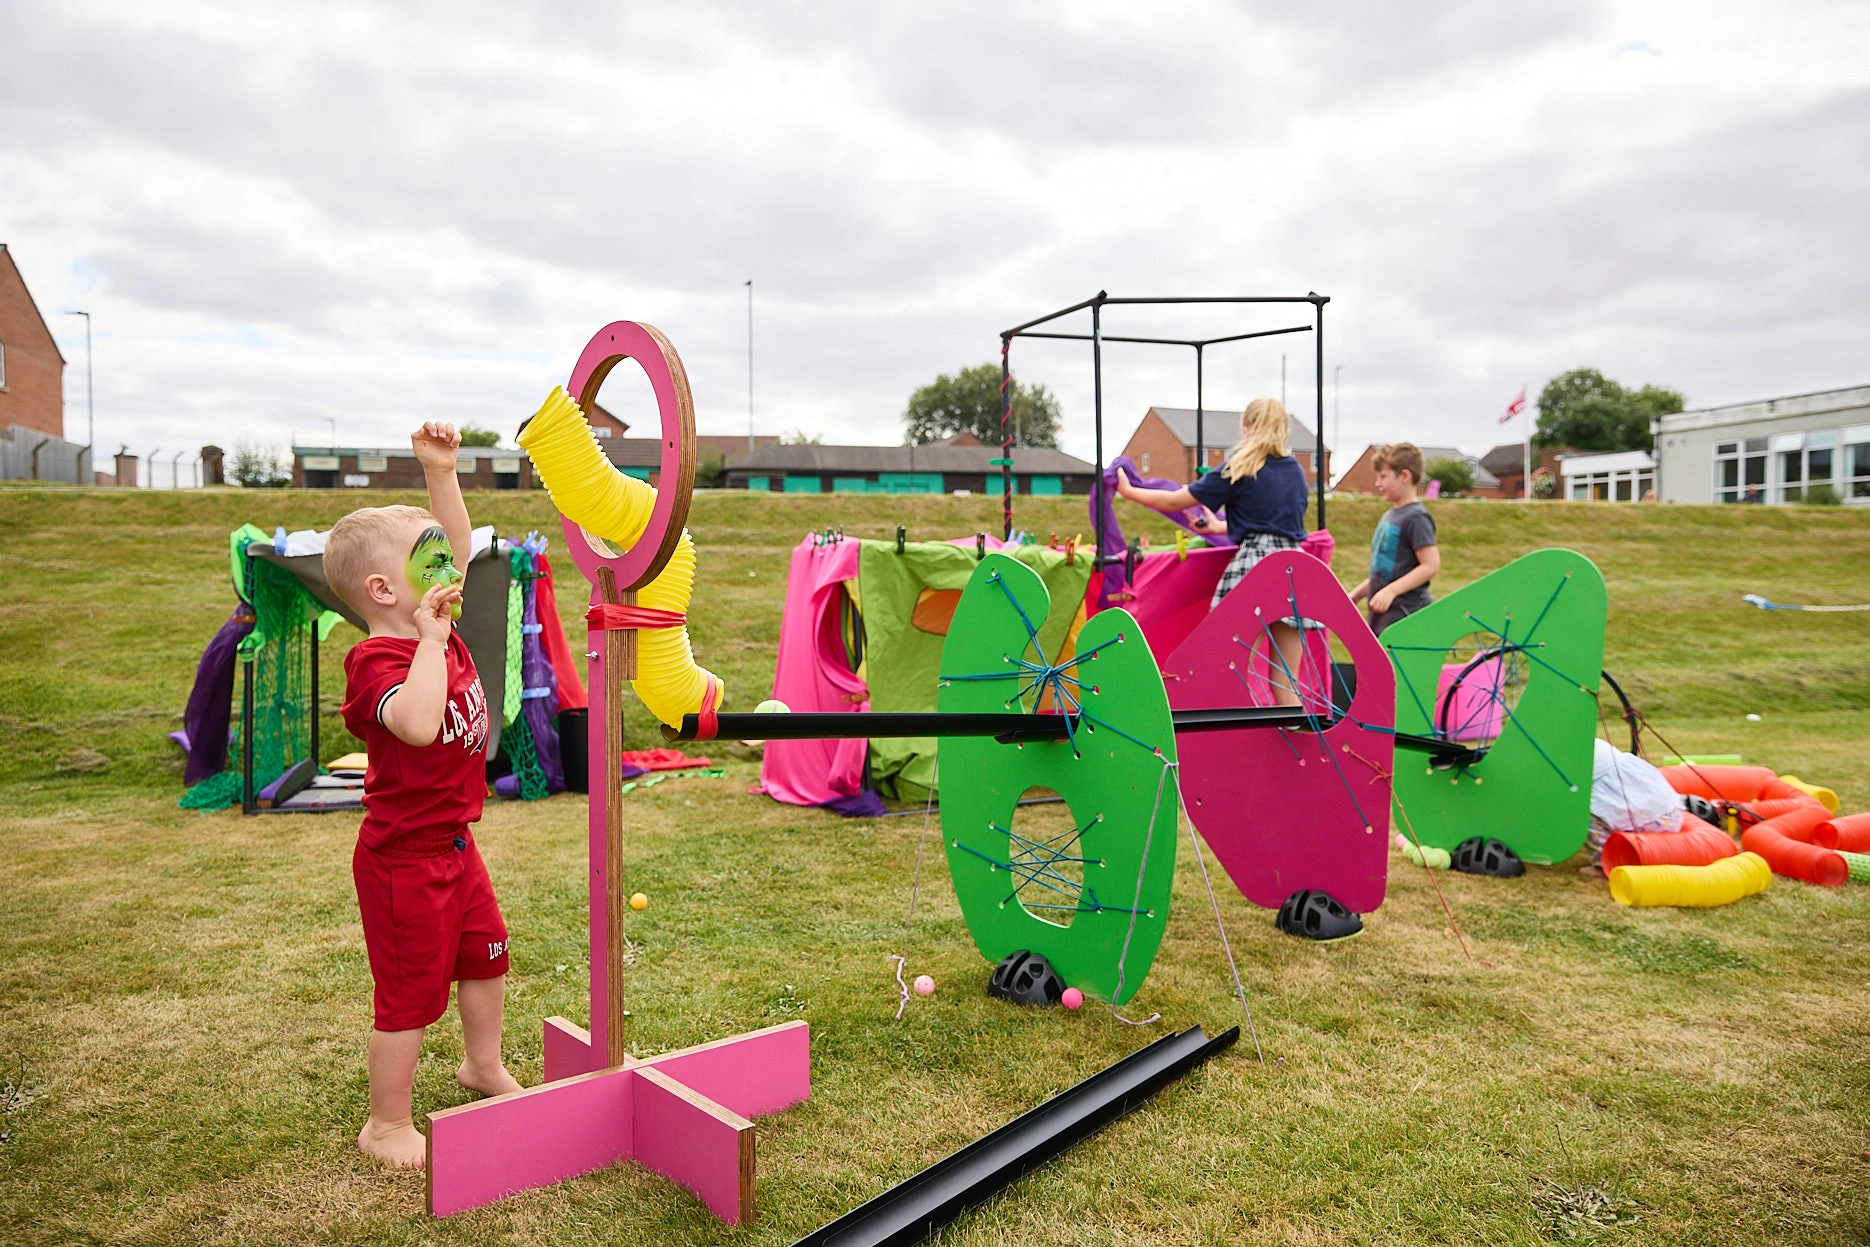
{"points": [[428, 921]]}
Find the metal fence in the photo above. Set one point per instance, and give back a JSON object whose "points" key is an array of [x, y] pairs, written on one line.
{"points": [[28, 454]]}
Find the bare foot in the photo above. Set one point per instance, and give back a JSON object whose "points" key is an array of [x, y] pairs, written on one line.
{"points": [[396, 1143], [495, 1081]]}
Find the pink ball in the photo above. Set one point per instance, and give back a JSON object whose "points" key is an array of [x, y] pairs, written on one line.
{"points": [[925, 986], [1072, 998]]}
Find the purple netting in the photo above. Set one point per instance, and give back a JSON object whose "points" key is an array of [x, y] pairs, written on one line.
{"points": [[536, 673], [864, 804]]}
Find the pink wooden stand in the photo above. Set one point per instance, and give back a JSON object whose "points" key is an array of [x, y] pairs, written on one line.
{"points": [[684, 1114]]}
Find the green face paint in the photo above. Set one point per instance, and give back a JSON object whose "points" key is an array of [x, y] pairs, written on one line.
{"points": [[432, 562]]}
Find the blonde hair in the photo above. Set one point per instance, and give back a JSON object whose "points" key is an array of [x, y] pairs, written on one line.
{"points": [[1264, 428], [364, 542], [1400, 457]]}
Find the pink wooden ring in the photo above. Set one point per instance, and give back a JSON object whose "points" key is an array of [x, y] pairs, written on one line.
{"points": [[611, 345]]}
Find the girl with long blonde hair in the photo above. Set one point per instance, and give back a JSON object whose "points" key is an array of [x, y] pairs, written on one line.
{"points": [[1261, 489]]}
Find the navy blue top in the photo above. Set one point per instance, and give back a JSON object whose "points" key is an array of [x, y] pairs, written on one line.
{"points": [[1271, 502]]}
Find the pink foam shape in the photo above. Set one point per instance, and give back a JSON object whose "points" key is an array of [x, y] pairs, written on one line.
{"points": [[1289, 809]]}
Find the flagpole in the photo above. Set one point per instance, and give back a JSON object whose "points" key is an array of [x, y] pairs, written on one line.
{"points": [[1526, 463]]}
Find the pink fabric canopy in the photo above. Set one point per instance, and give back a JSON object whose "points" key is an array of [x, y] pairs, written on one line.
{"points": [[812, 675]]}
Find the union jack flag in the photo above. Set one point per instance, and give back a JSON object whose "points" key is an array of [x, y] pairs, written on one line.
{"points": [[1515, 407]]}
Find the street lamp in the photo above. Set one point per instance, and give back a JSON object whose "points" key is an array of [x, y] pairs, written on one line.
{"points": [[749, 365], [90, 408], [1337, 407]]}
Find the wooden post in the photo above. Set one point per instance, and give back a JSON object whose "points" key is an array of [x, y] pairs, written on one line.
{"points": [[619, 665]]}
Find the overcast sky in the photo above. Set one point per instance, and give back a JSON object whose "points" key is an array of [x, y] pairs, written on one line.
{"points": [[280, 215]]}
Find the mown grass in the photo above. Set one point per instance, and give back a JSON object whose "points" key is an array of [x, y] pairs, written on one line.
{"points": [[190, 993]]}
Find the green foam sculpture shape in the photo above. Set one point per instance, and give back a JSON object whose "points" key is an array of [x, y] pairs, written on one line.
{"points": [[1544, 615], [1110, 775]]}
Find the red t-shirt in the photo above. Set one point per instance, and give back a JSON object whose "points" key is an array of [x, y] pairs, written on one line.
{"points": [[416, 799]]}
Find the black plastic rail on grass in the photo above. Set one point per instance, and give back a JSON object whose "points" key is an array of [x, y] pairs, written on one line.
{"points": [[913, 1210]]}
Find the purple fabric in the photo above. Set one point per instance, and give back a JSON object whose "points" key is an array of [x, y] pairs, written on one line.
{"points": [[628, 772], [862, 804], [506, 786], [536, 672], [1113, 532], [180, 738], [211, 702]]}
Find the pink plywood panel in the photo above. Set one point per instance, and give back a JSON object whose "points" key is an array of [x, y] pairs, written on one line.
{"points": [[1289, 809], [753, 1074], [484, 1151], [690, 1140], [567, 1050]]}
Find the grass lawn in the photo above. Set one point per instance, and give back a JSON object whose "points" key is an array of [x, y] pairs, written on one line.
{"points": [[189, 997]]}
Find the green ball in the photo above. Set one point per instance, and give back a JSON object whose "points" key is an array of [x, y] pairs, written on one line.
{"points": [[772, 706]]}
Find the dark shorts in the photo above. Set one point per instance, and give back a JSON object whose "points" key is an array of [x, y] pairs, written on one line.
{"points": [[1398, 610], [428, 922]]}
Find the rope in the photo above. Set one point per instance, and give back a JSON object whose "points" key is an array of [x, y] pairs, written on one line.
{"points": [[1240, 992], [1768, 605], [1149, 833], [915, 887]]}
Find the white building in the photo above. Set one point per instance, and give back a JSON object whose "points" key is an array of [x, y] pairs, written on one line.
{"points": [[1772, 451], [1614, 476]]}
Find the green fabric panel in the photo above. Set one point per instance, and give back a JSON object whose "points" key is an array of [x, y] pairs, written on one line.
{"points": [[759, 483], [855, 485], [804, 485], [237, 543], [641, 474], [902, 662], [1046, 485]]}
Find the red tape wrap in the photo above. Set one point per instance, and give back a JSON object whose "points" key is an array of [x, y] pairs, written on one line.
{"points": [[611, 617]]}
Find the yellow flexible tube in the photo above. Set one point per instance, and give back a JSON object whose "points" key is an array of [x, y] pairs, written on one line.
{"points": [[1824, 796], [591, 493], [1718, 883]]}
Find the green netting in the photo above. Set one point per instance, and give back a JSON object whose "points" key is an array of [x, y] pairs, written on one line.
{"points": [[521, 755], [280, 649], [1859, 864], [515, 618]]}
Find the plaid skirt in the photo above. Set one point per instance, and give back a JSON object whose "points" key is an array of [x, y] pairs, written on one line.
{"points": [[1251, 550]]}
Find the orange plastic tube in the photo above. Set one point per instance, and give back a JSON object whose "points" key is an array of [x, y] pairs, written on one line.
{"points": [[1696, 844], [1773, 807], [1720, 783], [1781, 842], [1717, 883], [1851, 834]]}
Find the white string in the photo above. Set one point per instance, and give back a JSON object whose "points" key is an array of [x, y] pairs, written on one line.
{"points": [[914, 888], [1149, 834], [1239, 990]]}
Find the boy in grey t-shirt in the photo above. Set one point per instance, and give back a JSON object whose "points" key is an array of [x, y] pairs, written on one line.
{"points": [[1403, 553]]}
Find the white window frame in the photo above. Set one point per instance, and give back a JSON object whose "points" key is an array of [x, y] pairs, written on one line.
{"points": [[2, 366]]}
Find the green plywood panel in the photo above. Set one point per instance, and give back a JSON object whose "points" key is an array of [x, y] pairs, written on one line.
{"points": [[1112, 778], [1535, 633]]}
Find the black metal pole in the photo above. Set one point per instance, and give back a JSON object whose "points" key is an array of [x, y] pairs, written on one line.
{"points": [[878, 725], [246, 736], [1318, 387], [314, 758], [1097, 415], [1006, 437], [1201, 457]]}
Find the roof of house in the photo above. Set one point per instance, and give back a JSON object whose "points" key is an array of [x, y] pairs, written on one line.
{"points": [[32, 302], [1483, 479], [632, 452], [1220, 424], [930, 458], [1508, 457]]}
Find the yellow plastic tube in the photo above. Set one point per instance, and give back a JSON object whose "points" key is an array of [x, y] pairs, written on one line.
{"points": [[591, 493], [1718, 883], [1824, 796]]}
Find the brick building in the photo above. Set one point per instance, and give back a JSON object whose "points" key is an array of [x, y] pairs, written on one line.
{"points": [[935, 468], [1164, 442], [32, 371], [1507, 464], [350, 467], [1361, 477]]}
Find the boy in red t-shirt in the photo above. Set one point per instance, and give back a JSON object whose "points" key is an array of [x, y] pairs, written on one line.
{"points": [[413, 697]]}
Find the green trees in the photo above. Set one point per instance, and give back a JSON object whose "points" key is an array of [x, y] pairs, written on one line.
{"points": [[1456, 475], [1586, 410], [969, 402], [474, 435]]}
